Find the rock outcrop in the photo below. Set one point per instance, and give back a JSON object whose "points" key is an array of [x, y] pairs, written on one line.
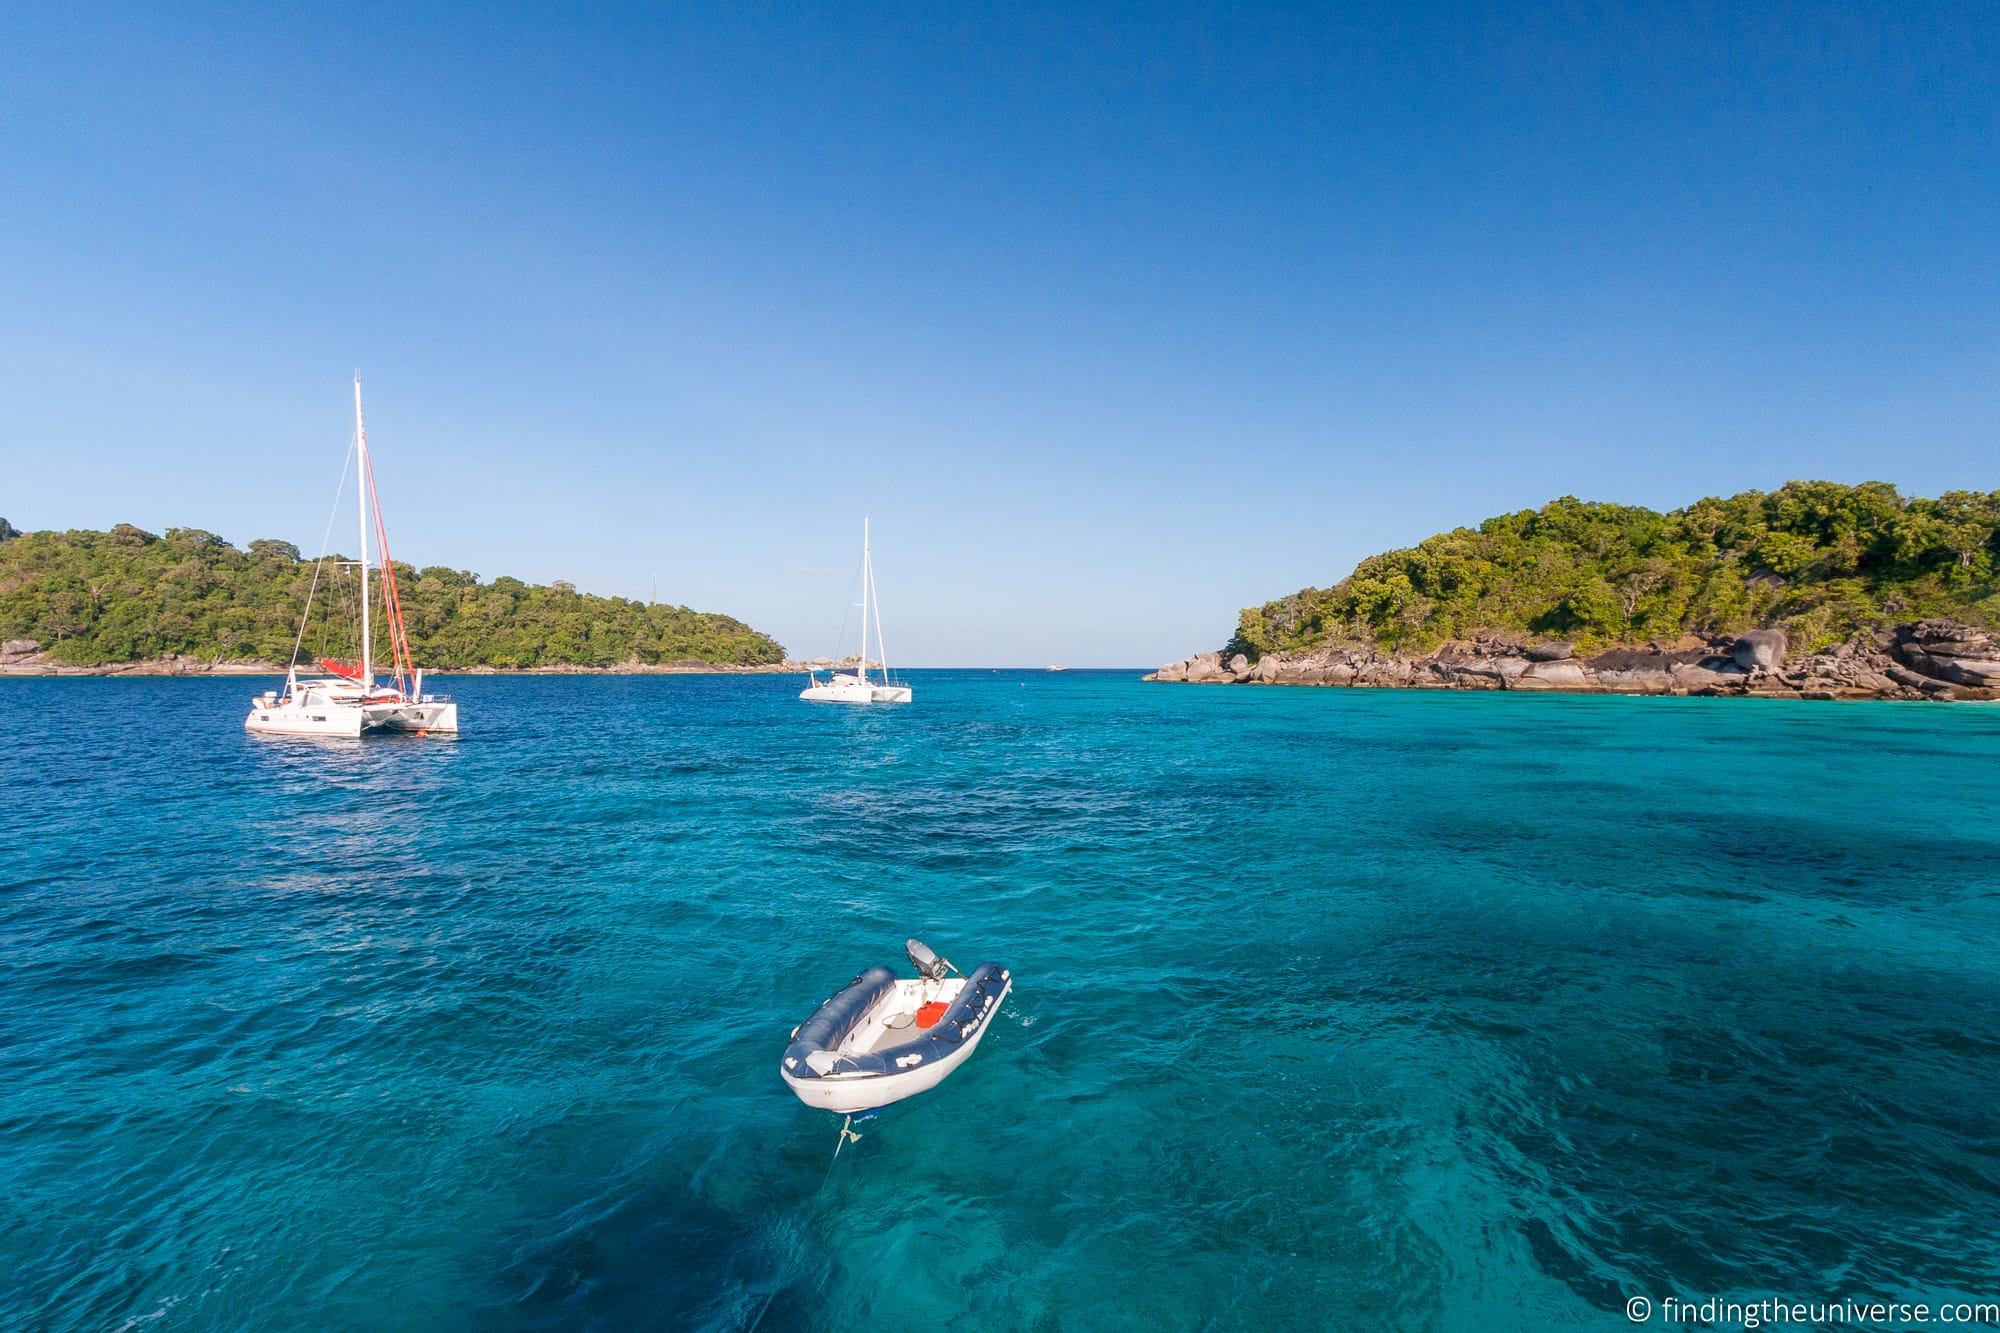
{"points": [[1947, 650], [1760, 649], [1934, 659], [1196, 670]]}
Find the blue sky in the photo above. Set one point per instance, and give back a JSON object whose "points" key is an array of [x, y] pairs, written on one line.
{"points": [[1116, 319]]}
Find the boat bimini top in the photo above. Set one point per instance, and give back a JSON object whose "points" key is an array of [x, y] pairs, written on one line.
{"points": [[882, 1038]]}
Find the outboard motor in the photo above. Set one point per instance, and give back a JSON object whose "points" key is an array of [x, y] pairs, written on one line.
{"points": [[928, 964]]}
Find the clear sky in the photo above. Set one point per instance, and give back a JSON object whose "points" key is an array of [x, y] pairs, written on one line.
{"points": [[1115, 319]]}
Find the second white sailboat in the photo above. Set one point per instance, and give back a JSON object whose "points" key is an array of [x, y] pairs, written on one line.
{"points": [[858, 686]]}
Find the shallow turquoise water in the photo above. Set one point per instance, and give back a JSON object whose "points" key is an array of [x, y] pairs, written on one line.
{"points": [[1332, 1008]]}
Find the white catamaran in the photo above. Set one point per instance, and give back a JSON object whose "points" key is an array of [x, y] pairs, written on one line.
{"points": [[348, 700], [857, 686]]}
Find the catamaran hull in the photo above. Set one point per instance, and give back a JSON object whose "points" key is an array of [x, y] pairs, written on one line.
{"points": [[328, 720], [423, 719], [873, 694], [349, 720]]}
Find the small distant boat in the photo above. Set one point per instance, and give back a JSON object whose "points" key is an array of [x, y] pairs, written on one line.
{"points": [[1058, 668], [348, 700], [882, 1038], [857, 686]]}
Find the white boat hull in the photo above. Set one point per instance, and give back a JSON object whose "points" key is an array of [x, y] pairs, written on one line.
{"points": [[845, 690], [329, 717], [313, 720], [425, 718], [850, 1094]]}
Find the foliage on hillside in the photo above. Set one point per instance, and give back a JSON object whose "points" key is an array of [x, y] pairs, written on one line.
{"points": [[127, 595], [1818, 558]]}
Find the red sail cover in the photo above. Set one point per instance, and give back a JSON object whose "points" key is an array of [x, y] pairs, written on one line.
{"points": [[351, 670]]}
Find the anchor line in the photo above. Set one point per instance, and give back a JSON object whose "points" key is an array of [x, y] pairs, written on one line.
{"points": [[846, 1133]]}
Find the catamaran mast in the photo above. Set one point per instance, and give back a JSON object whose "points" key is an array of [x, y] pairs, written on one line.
{"points": [[361, 485], [864, 599], [881, 647]]}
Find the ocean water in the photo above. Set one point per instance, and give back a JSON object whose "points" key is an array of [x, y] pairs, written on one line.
{"points": [[1333, 1009]]}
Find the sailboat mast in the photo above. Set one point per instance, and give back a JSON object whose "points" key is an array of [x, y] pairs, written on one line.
{"points": [[881, 645], [864, 599], [361, 485]]}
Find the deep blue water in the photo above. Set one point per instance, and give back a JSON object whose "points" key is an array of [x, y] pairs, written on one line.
{"points": [[1333, 1009]]}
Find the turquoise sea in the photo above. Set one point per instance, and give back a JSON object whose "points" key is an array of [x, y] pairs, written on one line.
{"points": [[1332, 1009]]}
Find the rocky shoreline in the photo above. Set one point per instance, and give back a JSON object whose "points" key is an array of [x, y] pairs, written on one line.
{"points": [[24, 657], [1930, 660]]}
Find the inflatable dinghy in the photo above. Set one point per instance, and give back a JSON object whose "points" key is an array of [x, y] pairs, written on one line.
{"points": [[883, 1038]]}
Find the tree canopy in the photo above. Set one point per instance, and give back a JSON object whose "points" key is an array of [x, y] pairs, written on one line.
{"points": [[1817, 558], [127, 595]]}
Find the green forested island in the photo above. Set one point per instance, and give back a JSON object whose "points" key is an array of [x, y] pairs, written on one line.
{"points": [[95, 598], [1819, 559]]}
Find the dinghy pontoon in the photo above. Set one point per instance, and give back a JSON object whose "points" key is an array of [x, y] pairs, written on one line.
{"points": [[883, 1038]]}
